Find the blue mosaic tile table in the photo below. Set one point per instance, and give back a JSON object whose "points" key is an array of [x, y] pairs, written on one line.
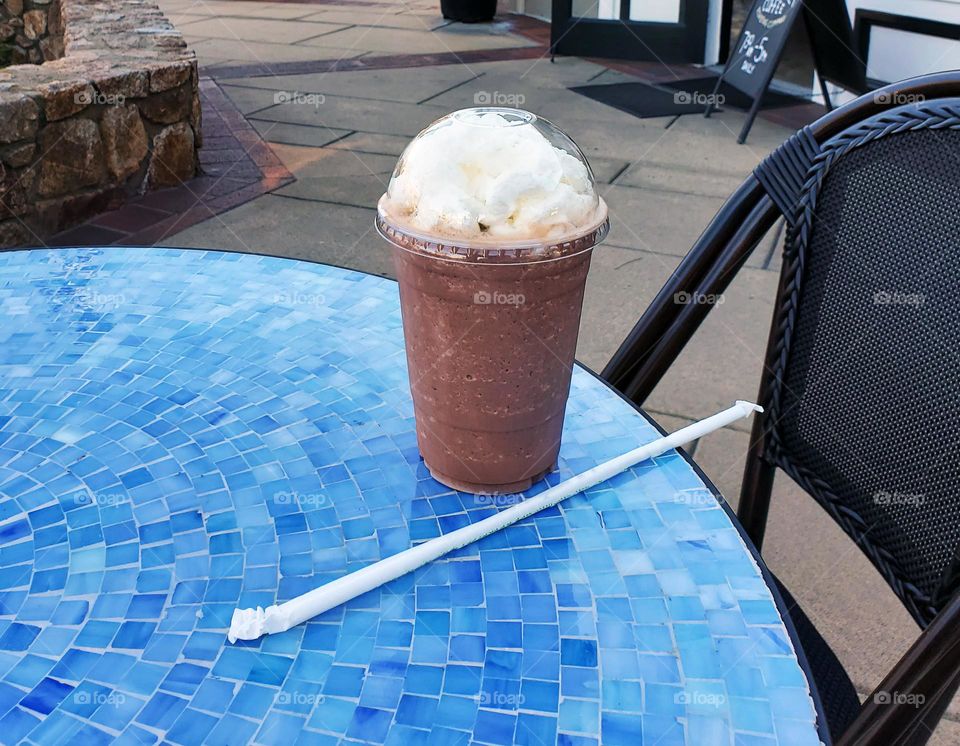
{"points": [[182, 432]]}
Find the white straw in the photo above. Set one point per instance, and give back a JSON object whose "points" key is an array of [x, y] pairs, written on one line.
{"points": [[249, 624]]}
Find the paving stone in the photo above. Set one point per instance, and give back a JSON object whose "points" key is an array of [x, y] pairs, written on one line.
{"points": [[605, 169], [298, 134], [629, 138], [563, 72], [280, 11], [339, 176], [404, 85], [650, 175], [250, 100], [380, 18], [633, 278], [239, 30], [695, 142], [356, 114], [724, 358], [212, 51], [664, 222], [335, 234], [495, 91], [372, 143], [394, 41]]}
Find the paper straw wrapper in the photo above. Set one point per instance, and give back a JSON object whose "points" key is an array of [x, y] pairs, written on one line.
{"points": [[249, 624]]}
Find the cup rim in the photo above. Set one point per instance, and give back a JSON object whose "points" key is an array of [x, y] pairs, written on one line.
{"points": [[491, 250]]}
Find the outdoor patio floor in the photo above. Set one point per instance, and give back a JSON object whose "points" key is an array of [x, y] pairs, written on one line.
{"points": [[339, 132]]}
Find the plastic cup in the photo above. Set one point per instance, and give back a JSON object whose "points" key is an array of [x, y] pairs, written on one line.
{"points": [[490, 331]]}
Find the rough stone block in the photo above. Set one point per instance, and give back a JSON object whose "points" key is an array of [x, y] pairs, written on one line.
{"points": [[72, 157], [18, 117], [15, 189], [55, 19], [51, 48], [63, 99], [174, 159], [169, 76], [196, 119], [127, 83], [168, 107], [124, 140], [19, 154], [34, 23], [14, 233]]}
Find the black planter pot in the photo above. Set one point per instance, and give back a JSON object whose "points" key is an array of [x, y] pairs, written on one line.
{"points": [[468, 11]]}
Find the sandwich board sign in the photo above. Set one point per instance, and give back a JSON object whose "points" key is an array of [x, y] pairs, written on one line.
{"points": [[753, 61]]}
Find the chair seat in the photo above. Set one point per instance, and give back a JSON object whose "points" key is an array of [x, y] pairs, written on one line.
{"points": [[837, 693]]}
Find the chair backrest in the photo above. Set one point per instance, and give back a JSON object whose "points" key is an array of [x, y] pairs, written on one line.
{"points": [[862, 394]]}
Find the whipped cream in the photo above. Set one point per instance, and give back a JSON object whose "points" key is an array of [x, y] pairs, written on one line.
{"points": [[484, 175]]}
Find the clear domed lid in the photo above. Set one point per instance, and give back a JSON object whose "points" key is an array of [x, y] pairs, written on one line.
{"points": [[493, 175]]}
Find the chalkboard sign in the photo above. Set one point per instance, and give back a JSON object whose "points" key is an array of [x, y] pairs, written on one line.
{"points": [[754, 59], [761, 43]]}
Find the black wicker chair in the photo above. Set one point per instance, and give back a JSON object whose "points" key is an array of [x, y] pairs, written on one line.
{"points": [[861, 386]]}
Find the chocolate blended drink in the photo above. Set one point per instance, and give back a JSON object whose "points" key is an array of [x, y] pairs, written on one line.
{"points": [[492, 214]]}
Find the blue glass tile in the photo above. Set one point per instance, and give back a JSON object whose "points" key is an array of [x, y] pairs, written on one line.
{"points": [[495, 727], [575, 652], [133, 634], [539, 695], [344, 681], [46, 696], [203, 463]]}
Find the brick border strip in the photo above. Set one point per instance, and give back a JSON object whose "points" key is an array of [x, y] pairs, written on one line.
{"points": [[237, 166]]}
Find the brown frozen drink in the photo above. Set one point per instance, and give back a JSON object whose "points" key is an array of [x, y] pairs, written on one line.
{"points": [[492, 215]]}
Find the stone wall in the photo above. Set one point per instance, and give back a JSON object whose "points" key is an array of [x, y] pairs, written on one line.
{"points": [[31, 31], [116, 115]]}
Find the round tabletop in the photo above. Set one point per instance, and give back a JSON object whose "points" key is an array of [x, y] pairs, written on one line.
{"points": [[184, 432]]}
